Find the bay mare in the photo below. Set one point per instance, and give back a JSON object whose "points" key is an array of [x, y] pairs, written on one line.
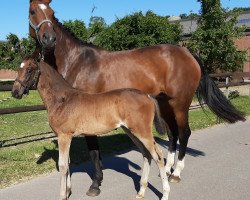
{"points": [[169, 72], [72, 112]]}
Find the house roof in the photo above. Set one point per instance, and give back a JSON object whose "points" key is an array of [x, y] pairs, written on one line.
{"points": [[189, 26]]}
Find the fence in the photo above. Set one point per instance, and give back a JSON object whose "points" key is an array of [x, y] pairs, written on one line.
{"points": [[49, 135], [242, 79]]}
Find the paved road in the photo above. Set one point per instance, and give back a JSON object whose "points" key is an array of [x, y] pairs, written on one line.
{"points": [[217, 168]]}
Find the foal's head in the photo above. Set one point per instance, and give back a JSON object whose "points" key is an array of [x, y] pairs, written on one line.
{"points": [[28, 75], [41, 27]]}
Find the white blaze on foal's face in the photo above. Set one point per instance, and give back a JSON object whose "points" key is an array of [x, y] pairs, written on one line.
{"points": [[22, 65]]}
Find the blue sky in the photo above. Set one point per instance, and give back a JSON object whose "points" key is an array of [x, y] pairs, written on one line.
{"points": [[14, 13]]}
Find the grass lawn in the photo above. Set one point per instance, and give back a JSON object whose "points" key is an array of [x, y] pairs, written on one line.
{"points": [[24, 153], [32, 99]]}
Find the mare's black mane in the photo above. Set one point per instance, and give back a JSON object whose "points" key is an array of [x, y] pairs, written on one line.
{"points": [[73, 36]]}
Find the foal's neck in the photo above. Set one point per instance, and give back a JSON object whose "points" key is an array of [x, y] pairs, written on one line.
{"points": [[51, 86]]}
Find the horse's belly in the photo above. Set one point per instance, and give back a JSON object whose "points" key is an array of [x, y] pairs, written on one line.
{"points": [[94, 128]]}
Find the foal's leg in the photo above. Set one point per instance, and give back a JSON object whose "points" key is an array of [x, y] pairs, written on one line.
{"points": [[144, 176], [68, 181], [157, 155], [64, 141], [95, 156], [146, 164]]}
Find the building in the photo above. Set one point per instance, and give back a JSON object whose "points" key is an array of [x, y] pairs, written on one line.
{"points": [[190, 25]]}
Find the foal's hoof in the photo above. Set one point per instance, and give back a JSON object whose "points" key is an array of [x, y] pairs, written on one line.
{"points": [[69, 193], [139, 196], [93, 191], [174, 179]]}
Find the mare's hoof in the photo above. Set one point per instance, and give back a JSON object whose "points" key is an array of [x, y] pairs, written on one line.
{"points": [[174, 179], [170, 173], [139, 196], [93, 191]]}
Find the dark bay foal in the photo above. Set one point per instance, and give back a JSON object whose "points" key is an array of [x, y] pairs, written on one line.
{"points": [[74, 113]]}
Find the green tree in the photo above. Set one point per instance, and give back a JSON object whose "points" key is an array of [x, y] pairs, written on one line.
{"points": [[27, 45], [96, 26], [215, 35], [10, 51], [138, 30], [78, 28]]}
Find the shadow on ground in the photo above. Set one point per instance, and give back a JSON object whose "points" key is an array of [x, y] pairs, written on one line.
{"points": [[112, 145]]}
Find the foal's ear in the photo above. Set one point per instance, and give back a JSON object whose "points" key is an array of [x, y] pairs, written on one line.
{"points": [[21, 52]]}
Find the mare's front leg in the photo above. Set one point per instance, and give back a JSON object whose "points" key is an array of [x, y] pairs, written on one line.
{"points": [[64, 141], [93, 147]]}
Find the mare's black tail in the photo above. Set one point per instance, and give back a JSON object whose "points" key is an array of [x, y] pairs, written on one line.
{"points": [[209, 93]]}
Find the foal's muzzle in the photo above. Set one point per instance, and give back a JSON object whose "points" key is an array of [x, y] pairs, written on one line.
{"points": [[18, 94]]}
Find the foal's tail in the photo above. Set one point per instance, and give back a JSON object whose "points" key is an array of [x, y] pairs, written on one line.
{"points": [[209, 93], [160, 125]]}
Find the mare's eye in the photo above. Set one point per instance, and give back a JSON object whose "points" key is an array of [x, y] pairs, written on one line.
{"points": [[32, 12]]}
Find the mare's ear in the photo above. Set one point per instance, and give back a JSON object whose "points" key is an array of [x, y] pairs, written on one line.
{"points": [[46, 1], [43, 1]]}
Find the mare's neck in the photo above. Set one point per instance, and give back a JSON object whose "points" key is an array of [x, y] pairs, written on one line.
{"points": [[69, 51], [51, 86]]}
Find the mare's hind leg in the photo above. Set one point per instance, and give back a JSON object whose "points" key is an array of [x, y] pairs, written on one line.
{"points": [[183, 134], [64, 141], [169, 117], [177, 119]]}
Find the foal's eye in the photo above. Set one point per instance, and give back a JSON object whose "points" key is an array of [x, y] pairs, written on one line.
{"points": [[29, 70]]}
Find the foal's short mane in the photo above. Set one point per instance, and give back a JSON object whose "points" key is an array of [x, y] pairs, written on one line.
{"points": [[73, 36]]}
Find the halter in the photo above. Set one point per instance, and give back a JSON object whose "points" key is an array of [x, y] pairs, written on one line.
{"points": [[37, 28], [34, 82]]}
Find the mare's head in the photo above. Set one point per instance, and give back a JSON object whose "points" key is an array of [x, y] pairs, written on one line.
{"points": [[41, 23], [28, 75]]}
